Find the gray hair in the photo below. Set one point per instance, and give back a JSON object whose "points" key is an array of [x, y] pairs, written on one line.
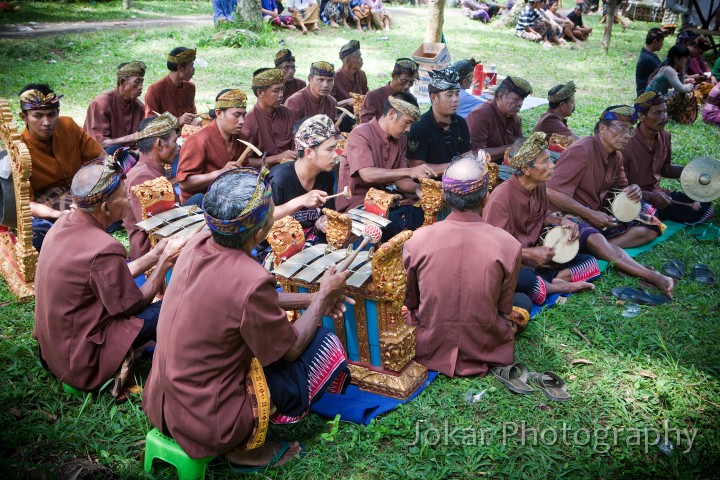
{"points": [[226, 198]]}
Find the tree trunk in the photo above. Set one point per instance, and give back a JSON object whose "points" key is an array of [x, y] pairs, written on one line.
{"points": [[249, 11], [609, 22], [436, 18], [127, 4]]}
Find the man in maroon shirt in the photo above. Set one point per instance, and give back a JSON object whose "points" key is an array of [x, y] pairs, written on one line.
{"points": [[285, 61], [495, 125], [315, 99], [269, 125], [648, 158], [90, 317], [215, 148], [461, 277], [404, 76], [175, 93], [227, 361], [561, 107], [584, 174], [376, 156]]}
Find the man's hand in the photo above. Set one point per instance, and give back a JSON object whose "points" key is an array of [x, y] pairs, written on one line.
{"points": [[186, 118], [572, 226], [171, 250], [658, 199], [539, 255], [599, 219], [321, 224], [313, 199], [421, 171], [348, 102], [332, 290], [633, 192]]}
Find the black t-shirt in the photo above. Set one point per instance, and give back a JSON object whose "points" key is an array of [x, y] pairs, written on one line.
{"points": [[286, 186], [576, 19], [429, 142]]}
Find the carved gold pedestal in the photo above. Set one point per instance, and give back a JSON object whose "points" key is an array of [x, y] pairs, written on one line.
{"points": [[397, 385]]}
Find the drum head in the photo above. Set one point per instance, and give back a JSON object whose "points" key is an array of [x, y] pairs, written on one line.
{"points": [[624, 209], [559, 239]]}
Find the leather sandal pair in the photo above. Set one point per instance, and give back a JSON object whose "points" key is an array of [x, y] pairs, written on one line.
{"points": [[515, 377], [701, 273]]}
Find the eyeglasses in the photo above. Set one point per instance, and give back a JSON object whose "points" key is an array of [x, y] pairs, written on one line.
{"points": [[622, 130]]}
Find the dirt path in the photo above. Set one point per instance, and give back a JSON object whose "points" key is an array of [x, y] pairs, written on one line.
{"points": [[63, 28], [50, 29]]}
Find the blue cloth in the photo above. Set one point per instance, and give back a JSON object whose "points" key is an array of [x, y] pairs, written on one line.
{"points": [[357, 406], [224, 10], [269, 5], [468, 103], [40, 228], [150, 317]]}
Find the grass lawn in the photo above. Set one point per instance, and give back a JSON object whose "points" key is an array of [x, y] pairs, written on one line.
{"points": [[635, 375], [43, 11]]}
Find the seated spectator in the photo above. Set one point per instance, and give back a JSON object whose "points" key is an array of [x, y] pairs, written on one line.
{"points": [[531, 25], [285, 61], [380, 17], [670, 75], [305, 12], [223, 11], [479, 11], [271, 15], [568, 27], [711, 110], [362, 14], [576, 17], [337, 11]]}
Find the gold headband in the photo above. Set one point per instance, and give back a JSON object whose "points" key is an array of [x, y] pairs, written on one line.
{"points": [[36, 100], [231, 99], [567, 91], [132, 69], [528, 152], [269, 76], [183, 58], [159, 126], [404, 107]]}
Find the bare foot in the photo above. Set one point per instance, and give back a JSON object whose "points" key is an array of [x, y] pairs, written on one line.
{"points": [[561, 286], [333, 24], [316, 28], [663, 283], [263, 455], [304, 30]]}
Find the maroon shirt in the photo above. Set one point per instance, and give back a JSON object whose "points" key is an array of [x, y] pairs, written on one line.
{"points": [[163, 96], [270, 132], [455, 291], [346, 83], [207, 335], [586, 172], [139, 174], [490, 129], [367, 146], [205, 152], [110, 116], [550, 123], [375, 103], [518, 211], [82, 290], [304, 105], [292, 87], [645, 165]]}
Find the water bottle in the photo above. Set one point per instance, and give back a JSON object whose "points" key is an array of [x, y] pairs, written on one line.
{"points": [[492, 76], [478, 80]]}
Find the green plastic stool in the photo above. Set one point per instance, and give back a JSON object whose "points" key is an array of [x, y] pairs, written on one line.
{"points": [[165, 448], [73, 391]]}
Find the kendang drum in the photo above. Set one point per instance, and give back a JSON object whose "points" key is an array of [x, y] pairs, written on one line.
{"points": [[558, 238], [622, 208]]}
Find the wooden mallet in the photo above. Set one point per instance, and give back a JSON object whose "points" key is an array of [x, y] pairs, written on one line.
{"points": [[345, 193], [371, 233], [342, 115], [244, 155], [695, 206]]}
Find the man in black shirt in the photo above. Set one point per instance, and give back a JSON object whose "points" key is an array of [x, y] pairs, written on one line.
{"points": [[299, 188], [440, 134], [648, 60], [576, 17]]}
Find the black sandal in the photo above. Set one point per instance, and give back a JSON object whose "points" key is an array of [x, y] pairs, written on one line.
{"points": [[638, 296], [674, 269], [702, 274]]}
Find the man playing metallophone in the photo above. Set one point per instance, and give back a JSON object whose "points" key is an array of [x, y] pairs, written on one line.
{"points": [[461, 278], [584, 175], [520, 207], [227, 360]]}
